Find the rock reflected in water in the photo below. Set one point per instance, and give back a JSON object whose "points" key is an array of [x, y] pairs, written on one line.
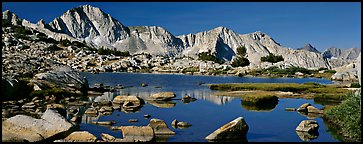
{"points": [[260, 107], [162, 104], [305, 136]]}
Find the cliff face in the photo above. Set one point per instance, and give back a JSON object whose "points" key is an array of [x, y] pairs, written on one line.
{"points": [[90, 24], [151, 39]]}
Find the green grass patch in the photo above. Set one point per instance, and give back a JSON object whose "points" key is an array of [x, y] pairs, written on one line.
{"points": [[259, 98], [347, 117], [321, 93], [190, 69], [286, 87]]}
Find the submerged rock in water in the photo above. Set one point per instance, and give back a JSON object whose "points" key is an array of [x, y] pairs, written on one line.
{"points": [[80, 136], [25, 128], [137, 133], [234, 130], [188, 99], [183, 124], [160, 127], [163, 96]]}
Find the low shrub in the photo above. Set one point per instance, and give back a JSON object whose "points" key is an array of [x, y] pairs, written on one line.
{"points": [[272, 58], [355, 85], [206, 56], [347, 117]]}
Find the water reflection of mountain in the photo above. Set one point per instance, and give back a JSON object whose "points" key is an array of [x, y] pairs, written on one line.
{"points": [[200, 94]]}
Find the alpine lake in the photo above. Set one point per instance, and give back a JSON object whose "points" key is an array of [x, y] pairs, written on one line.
{"points": [[206, 114]]}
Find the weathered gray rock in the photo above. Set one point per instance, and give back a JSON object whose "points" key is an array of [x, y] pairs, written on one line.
{"points": [[107, 137], [25, 128], [235, 129], [303, 107], [105, 109], [308, 126], [64, 78], [80, 136], [59, 108], [163, 96], [160, 127], [136, 101], [137, 133], [347, 72], [91, 111], [183, 124], [312, 109]]}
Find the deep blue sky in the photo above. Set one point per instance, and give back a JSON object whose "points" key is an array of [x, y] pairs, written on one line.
{"points": [[292, 24]]}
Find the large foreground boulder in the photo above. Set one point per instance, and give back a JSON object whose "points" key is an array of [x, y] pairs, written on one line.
{"points": [[64, 78], [51, 126], [234, 130]]}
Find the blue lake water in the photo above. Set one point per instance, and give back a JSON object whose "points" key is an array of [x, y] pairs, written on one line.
{"points": [[206, 114]]}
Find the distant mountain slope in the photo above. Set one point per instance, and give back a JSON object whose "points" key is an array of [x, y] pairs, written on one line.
{"points": [[309, 47], [345, 54]]}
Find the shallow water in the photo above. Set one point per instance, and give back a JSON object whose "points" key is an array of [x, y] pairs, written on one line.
{"points": [[208, 113]]}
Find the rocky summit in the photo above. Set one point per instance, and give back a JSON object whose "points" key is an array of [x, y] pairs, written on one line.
{"points": [[309, 47]]}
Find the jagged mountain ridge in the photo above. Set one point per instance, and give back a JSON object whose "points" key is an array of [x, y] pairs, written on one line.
{"points": [[87, 23], [11, 18]]}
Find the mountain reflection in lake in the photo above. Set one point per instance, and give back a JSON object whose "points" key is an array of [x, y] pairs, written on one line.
{"points": [[207, 113]]}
